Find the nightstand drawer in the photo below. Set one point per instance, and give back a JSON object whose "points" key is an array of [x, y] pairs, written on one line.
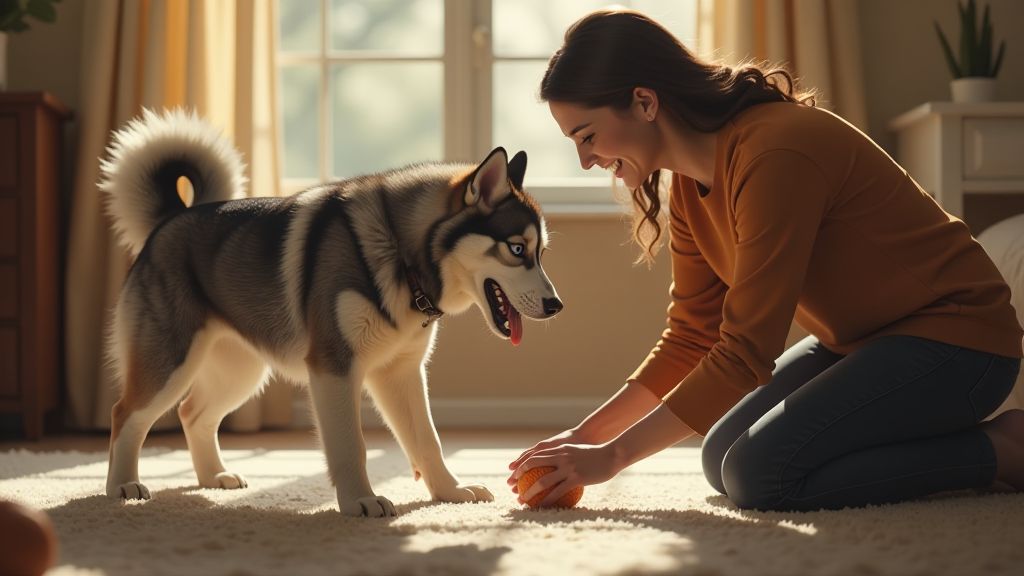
{"points": [[8, 291], [8, 227], [993, 148], [8, 362]]}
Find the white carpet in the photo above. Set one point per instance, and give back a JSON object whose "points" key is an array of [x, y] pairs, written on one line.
{"points": [[659, 517]]}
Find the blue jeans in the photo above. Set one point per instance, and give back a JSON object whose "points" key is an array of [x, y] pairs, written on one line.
{"points": [[896, 419]]}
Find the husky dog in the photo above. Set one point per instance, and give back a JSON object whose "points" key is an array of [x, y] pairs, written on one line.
{"points": [[337, 287]]}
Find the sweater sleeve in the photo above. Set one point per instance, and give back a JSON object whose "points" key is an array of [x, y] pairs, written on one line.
{"points": [[779, 200], [694, 313]]}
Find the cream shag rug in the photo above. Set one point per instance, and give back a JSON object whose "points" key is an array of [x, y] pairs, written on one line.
{"points": [[659, 517]]}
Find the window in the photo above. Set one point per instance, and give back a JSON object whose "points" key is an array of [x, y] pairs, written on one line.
{"points": [[368, 85]]}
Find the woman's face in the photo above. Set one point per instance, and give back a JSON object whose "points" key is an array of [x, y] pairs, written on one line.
{"points": [[623, 142]]}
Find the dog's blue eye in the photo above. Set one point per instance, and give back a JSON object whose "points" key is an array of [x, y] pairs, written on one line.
{"points": [[516, 248]]}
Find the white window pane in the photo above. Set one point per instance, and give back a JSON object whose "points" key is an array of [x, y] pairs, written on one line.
{"points": [[300, 26], [678, 16], [535, 28], [386, 115], [522, 122], [300, 116], [414, 27]]}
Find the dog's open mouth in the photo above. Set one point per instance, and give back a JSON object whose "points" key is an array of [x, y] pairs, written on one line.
{"points": [[506, 318]]}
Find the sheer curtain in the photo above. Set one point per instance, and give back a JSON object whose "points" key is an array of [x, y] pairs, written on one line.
{"points": [[818, 40], [215, 56]]}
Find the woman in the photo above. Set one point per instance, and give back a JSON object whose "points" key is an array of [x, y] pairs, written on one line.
{"points": [[777, 209]]}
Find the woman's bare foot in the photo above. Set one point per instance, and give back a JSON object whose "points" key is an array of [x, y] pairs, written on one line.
{"points": [[1007, 434]]}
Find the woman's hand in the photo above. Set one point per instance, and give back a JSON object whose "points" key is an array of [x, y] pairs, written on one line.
{"points": [[575, 465], [582, 464], [621, 411], [572, 436]]}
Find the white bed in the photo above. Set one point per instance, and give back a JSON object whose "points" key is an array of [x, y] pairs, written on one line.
{"points": [[1004, 243]]}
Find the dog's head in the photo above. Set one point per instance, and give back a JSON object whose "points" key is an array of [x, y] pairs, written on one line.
{"points": [[497, 246]]}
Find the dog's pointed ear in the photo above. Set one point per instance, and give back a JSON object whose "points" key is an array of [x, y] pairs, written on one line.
{"points": [[489, 183], [517, 169]]}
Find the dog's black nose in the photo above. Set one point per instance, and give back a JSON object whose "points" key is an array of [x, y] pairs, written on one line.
{"points": [[552, 306]]}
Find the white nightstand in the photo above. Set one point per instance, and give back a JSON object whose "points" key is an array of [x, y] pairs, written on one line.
{"points": [[956, 149]]}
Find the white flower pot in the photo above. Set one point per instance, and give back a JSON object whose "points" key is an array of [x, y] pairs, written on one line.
{"points": [[3, 61], [973, 89]]}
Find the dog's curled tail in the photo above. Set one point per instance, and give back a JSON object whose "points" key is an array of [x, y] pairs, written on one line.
{"points": [[145, 162]]}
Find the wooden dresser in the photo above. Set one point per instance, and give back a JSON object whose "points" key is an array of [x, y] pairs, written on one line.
{"points": [[31, 134]]}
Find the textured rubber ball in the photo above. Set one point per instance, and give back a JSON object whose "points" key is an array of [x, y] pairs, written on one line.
{"points": [[568, 500]]}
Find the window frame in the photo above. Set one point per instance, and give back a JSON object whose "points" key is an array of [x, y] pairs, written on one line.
{"points": [[467, 102]]}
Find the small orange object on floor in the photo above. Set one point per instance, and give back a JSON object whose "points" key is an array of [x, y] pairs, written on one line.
{"points": [[28, 542], [568, 500]]}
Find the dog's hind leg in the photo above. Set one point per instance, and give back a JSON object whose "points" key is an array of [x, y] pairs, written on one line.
{"points": [[227, 378], [147, 393], [400, 394]]}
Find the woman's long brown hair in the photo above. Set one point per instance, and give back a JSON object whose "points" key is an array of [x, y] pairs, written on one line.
{"points": [[607, 54]]}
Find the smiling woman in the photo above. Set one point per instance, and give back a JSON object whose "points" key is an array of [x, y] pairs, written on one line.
{"points": [[778, 211]]}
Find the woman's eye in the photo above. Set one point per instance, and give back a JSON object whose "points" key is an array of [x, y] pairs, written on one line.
{"points": [[589, 138], [516, 249]]}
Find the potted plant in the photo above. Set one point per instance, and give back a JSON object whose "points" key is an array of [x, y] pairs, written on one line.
{"points": [[974, 76], [12, 19]]}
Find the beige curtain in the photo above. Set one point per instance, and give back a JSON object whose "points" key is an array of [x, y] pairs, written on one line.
{"points": [[212, 55], [817, 40]]}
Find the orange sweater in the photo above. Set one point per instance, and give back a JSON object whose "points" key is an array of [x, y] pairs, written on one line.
{"points": [[809, 218]]}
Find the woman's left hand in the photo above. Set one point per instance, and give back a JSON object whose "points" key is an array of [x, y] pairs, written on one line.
{"points": [[575, 465]]}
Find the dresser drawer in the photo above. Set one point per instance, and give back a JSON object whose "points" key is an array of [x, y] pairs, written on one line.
{"points": [[8, 227], [8, 362], [8, 291], [993, 148], [8, 151]]}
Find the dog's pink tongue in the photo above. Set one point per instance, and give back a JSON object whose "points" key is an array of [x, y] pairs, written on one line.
{"points": [[515, 324]]}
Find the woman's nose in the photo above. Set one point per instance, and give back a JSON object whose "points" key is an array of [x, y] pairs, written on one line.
{"points": [[586, 160]]}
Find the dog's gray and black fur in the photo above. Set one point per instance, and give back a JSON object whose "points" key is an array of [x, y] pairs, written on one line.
{"points": [[336, 286]]}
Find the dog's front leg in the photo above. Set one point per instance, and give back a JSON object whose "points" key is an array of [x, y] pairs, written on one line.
{"points": [[400, 393], [336, 405]]}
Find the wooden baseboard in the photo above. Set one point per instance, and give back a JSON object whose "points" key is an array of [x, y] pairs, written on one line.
{"points": [[484, 412]]}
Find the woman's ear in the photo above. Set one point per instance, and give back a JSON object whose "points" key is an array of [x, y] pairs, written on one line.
{"points": [[645, 103]]}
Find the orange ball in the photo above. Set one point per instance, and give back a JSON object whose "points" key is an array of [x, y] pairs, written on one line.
{"points": [[28, 540], [568, 500]]}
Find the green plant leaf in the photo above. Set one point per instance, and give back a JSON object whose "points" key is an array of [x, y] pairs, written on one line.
{"points": [[999, 59], [10, 12], [19, 26], [947, 52], [42, 10], [967, 33], [8, 7], [984, 51]]}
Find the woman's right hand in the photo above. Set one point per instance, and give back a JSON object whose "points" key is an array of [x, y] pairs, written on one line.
{"points": [[571, 436]]}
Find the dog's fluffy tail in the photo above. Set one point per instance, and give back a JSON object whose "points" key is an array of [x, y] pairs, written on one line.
{"points": [[149, 156]]}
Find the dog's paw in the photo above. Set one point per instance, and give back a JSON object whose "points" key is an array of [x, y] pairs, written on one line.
{"points": [[227, 480], [370, 507], [130, 491], [482, 493], [465, 493]]}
